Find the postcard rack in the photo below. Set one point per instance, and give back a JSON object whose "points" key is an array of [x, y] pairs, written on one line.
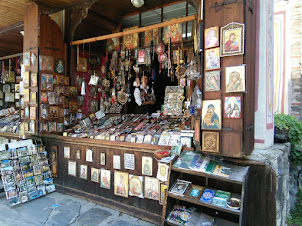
{"points": [[234, 184], [25, 171]]}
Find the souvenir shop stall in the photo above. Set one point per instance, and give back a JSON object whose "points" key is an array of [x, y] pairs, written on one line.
{"points": [[153, 119]]}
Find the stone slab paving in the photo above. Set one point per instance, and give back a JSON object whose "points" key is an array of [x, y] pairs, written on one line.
{"points": [[59, 209]]}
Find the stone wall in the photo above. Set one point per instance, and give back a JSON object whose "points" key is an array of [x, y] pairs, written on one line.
{"points": [[277, 158], [296, 58]]}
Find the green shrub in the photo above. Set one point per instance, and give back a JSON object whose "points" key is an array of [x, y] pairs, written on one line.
{"points": [[295, 217], [283, 121]]}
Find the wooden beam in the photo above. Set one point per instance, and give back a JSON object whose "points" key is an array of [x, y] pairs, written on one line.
{"points": [[19, 25], [94, 14], [138, 30], [11, 56]]}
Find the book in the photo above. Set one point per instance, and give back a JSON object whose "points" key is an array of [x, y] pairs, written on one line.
{"points": [[180, 187], [208, 195], [195, 162], [187, 160], [223, 171], [211, 166], [220, 198], [194, 191], [179, 215]]}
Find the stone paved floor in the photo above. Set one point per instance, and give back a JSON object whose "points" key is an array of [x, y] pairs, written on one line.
{"points": [[60, 209]]}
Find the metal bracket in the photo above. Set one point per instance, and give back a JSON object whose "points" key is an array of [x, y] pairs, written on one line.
{"points": [[225, 2]]}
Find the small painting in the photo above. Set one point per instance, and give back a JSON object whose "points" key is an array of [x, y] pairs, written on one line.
{"points": [[33, 97], [211, 114], [141, 57], [130, 41], [54, 160], [210, 141], [116, 162], [34, 79], [60, 127], [151, 188], [121, 183], [72, 168], [52, 126], [44, 98], [175, 56], [136, 186], [67, 152], [59, 68], [232, 107], [78, 154], [174, 32], [212, 80], [162, 172], [147, 163], [83, 171], [32, 114], [151, 35], [66, 81], [232, 39], [212, 59], [163, 188], [103, 158], [26, 79], [89, 155], [47, 82], [235, 78], [46, 63], [211, 37], [105, 181], [82, 64], [94, 175], [26, 59], [53, 111], [60, 79]]}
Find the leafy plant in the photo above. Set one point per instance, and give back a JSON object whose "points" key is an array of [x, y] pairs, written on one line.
{"points": [[295, 217], [294, 128]]}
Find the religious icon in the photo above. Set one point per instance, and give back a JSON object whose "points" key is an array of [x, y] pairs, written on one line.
{"points": [[163, 188], [59, 68], [66, 81], [130, 41], [46, 63], [105, 179], [52, 126], [94, 175], [235, 78], [151, 188], [113, 44], [32, 113], [44, 98], [53, 111], [26, 59], [67, 152], [212, 80], [141, 57], [136, 186], [174, 32], [82, 64], [54, 160], [33, 97], [210, 141], [89, 155], [232, 39], [121, 183], [103, 158], [72, 168], [211, 36], [116, 162], [78, 154], [212, 58], [211, 114], [151, 35], [60, 127], [34, 79], [47, 82], [162, 172], [232, 107], [26, 78], [147, 163]]}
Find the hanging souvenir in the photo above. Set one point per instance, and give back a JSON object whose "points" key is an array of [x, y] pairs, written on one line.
{"points": [[106, 83], [59, 68], [122, 97], [94, 61], [113, 63], [93, 80], [141, 57], [83, 90]]}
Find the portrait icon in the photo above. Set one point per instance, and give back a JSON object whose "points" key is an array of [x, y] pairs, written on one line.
{"points": [[232, 107], [212, 80], [232, 39], [105, 179], [83, 172], [121, 183], [136, 186], [211, 114], [147, 163], [94, 175], [151, 188], [211, 36], [212, 59], [235, 78]]}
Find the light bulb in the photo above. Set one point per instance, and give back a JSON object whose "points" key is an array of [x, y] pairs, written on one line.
{"points": [[137, 3]]}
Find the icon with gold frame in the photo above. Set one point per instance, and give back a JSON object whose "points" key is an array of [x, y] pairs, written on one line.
{"points": [[210, 141], [121, 183]]}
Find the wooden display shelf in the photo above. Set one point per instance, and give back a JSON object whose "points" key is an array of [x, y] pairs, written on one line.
{"points": [[197, 202], [239, 179], [217, 221]]}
